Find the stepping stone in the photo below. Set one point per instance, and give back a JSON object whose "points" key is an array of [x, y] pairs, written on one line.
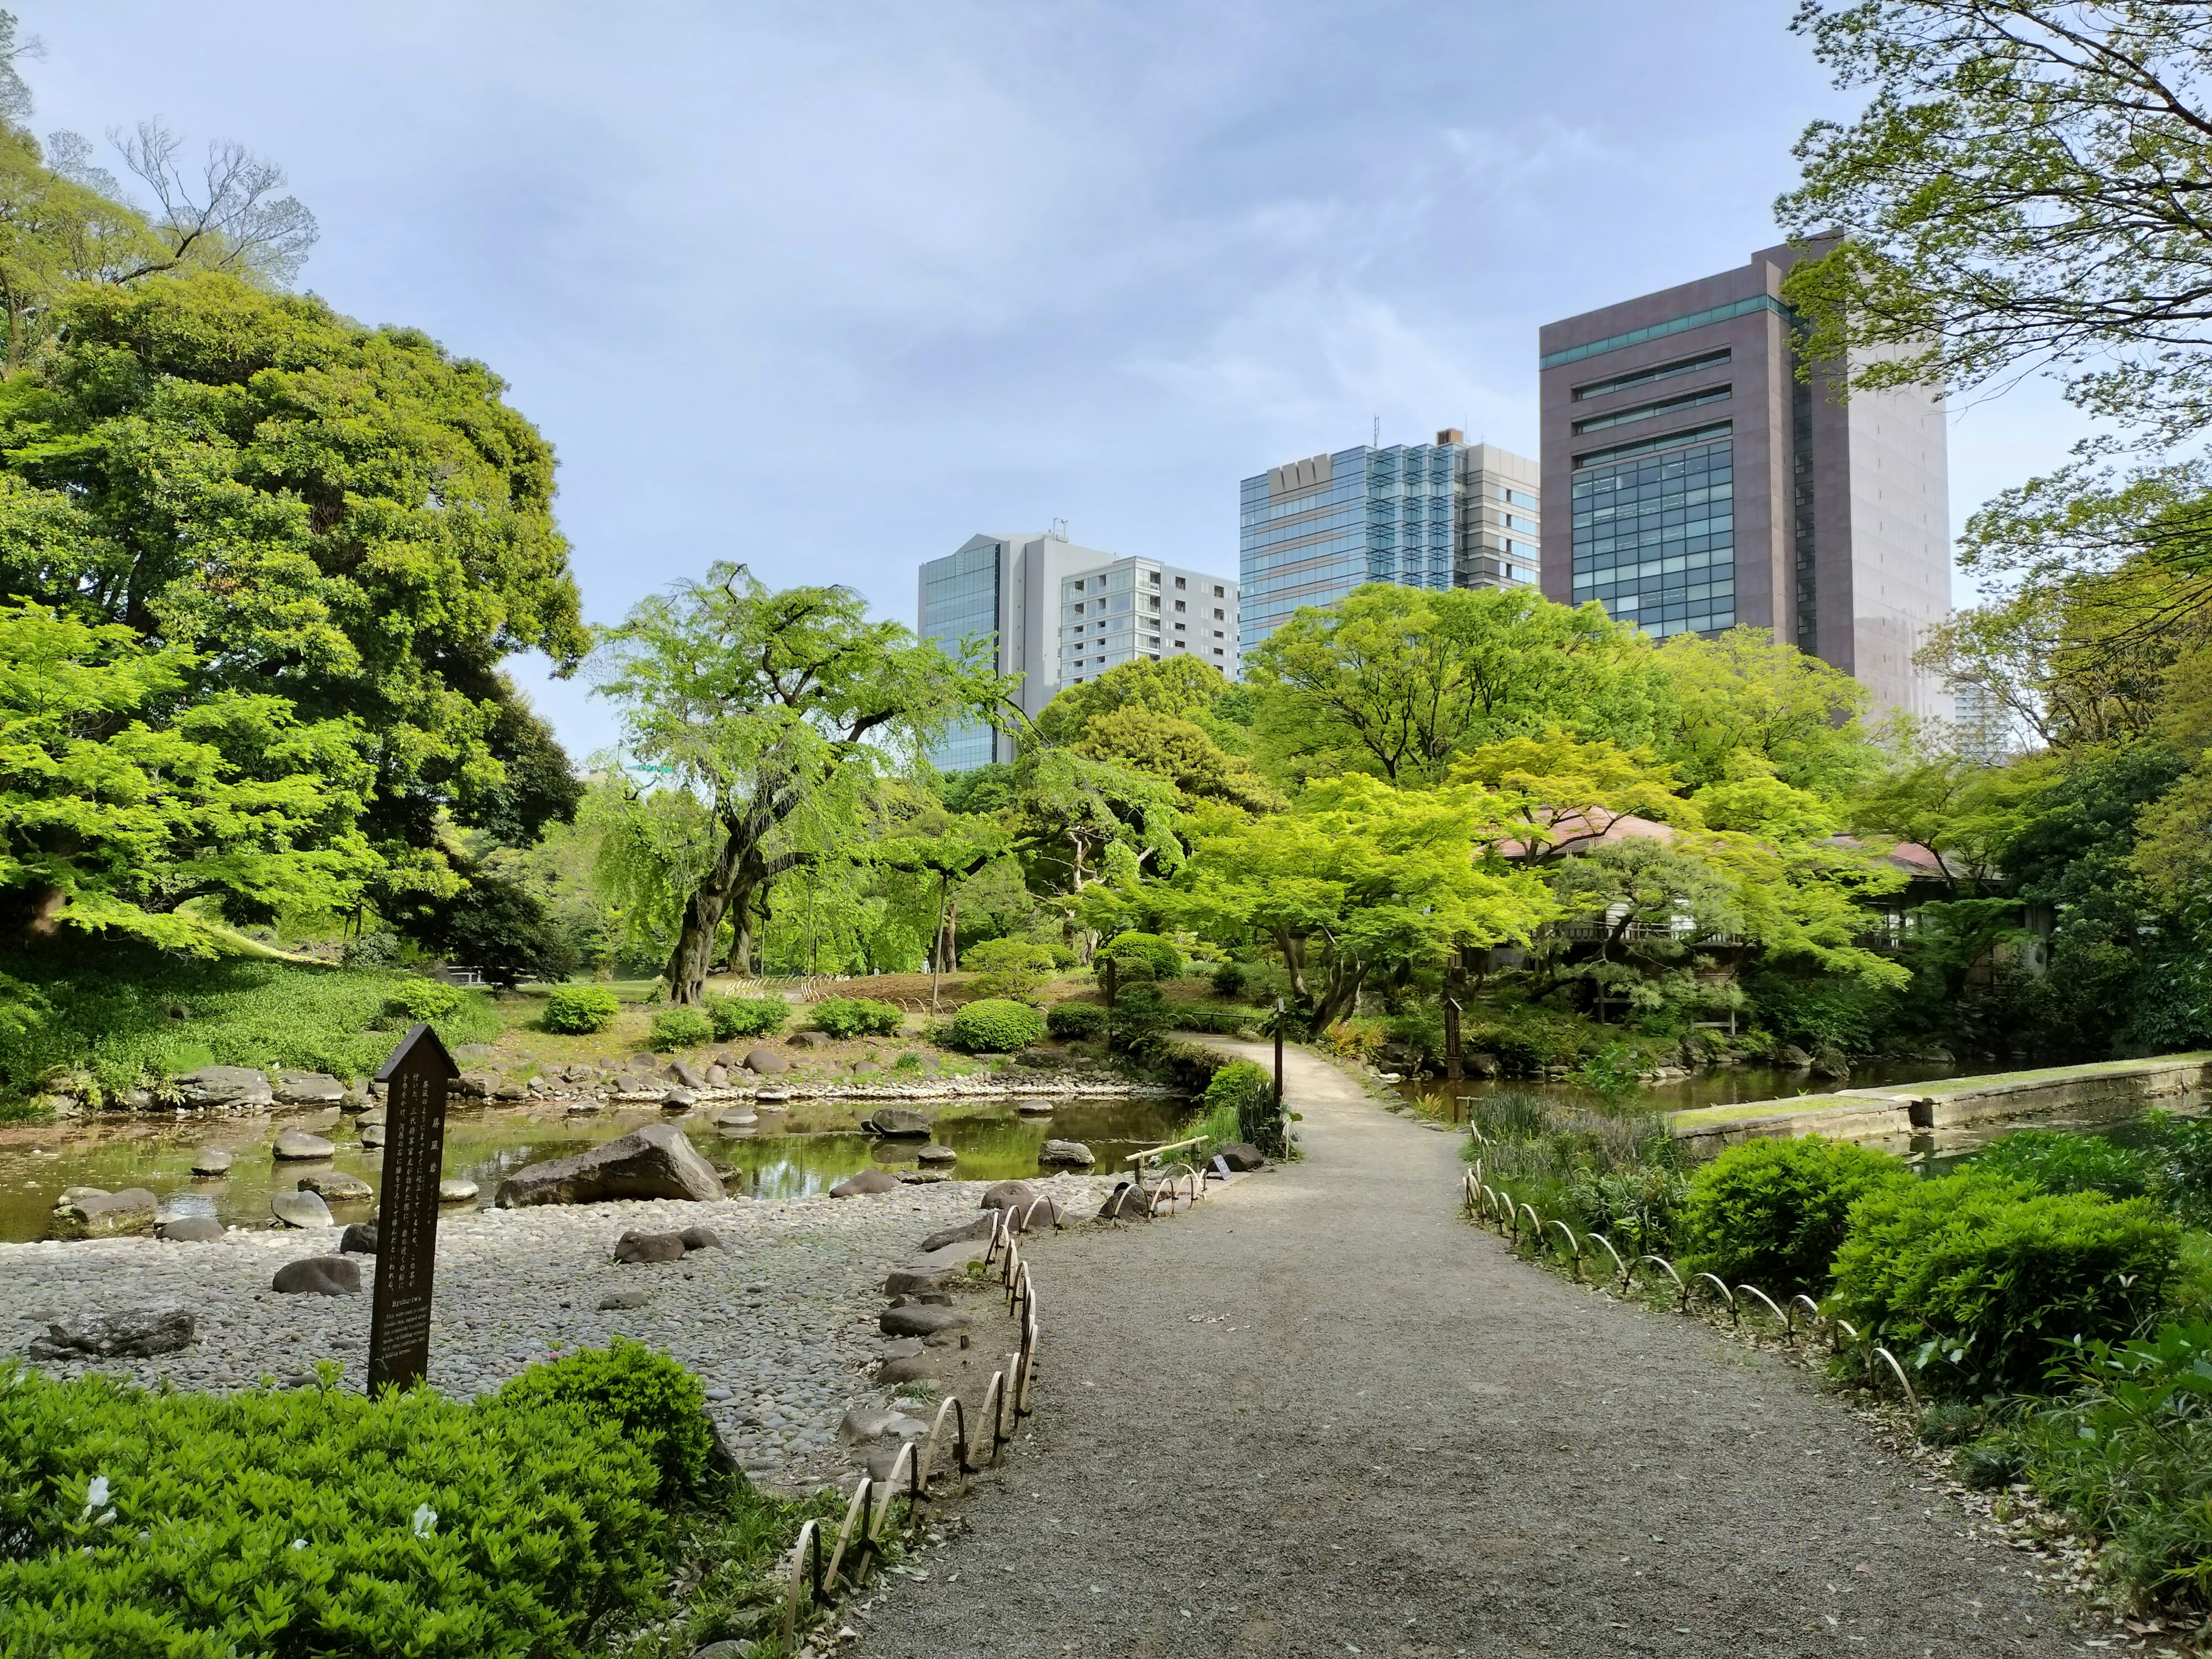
{"points": [[1066, 1154], [454, 1190], [190, 1230], [868, 1182], [934, 1153], [738, 1117], [372, 1134], [301, 1209], [298, 1144], [336, 1188], [935, 1271], [213, 1161]]}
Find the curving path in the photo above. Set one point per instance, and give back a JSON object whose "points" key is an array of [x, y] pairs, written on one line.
{"points": [[1320, 1414]]}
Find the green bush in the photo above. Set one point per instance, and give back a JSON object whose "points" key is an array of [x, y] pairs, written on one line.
{"points": [[1138, 1020], [1972, 1279], [1138, 958], [1063, 956], [424, 1001], [1075, 1021], [1009, 966], [2063, 1161], [746, 1017], [1229, 979], [679, 1028], [660, 1406], [1245, 1093], [996, 1026], [845, 1016], [2183, 1149], [580, 1010], [267, 1523], [1215, 1021], [1773, 1212]]}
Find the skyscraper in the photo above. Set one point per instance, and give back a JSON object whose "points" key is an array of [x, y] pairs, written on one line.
{"points": [[1059, 615], [1706, 485], [1446, 514]]}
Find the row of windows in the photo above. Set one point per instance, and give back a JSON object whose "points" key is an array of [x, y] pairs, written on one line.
{"points": [[1660, 330], [1654, 539], [1652, 411], [1696, 435], [1656, 372]]}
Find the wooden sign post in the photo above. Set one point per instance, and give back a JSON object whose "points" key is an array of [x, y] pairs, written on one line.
{"points": [[414, 1080], [1278, 1054], [1451, 1039]]}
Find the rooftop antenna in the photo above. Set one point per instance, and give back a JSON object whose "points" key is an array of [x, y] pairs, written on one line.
{"points": [[1378, 432], [1060, 530]]}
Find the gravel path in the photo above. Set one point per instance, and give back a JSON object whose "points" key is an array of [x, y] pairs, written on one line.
{"points": [[783, 1319], [1320, 1414]]}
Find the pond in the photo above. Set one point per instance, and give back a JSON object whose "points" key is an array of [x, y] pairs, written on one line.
{"points": [[1726, 1086], [994, 1143]]}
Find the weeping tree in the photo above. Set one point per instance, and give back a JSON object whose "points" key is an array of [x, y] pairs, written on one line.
{"points": [[779, 712]]}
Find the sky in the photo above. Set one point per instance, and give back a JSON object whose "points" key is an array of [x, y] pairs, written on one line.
{"points": [[827, 289]]}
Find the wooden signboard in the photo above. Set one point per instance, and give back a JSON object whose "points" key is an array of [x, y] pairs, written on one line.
{"points": [[415, 1080]]}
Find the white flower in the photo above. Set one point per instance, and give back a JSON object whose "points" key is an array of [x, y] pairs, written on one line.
{"points": [[299, 1543], [425, 1518], [95, 1495]]}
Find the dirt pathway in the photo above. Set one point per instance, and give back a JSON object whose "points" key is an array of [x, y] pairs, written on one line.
{"points": [[1322, 1415]]}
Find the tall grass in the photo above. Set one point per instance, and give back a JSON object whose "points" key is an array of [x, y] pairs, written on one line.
{"points": [[1619, 1173]]}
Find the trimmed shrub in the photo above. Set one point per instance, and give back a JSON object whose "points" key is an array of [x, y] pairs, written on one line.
{"points": [[1138, 1019], [995, 1025], [679, 1028], [845, 1016], [1229, 979], [1138, 958], [746, 1017], [1773, 1214], [1009, 966], [580, 1010], [1064, 957], [1973, 1278], [1075, 1021], [659, 1407], [424, 1001]]}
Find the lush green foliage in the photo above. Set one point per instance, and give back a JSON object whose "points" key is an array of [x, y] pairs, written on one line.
{"points": [[1245, 1094], [1773, 1214], [2066, 1161], [1617, 1173], [580, 1010], [1140, 1016], [1137, 956], [747, 1017], [845, 1016], [659, 1405], [1009, 966], [275, 1522], [1075, 1021], [1973, 1278], [680, 1028], [415, 1000], [996, 1026]]}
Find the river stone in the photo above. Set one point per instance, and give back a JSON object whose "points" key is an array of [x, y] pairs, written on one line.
{"points": [[738, 1117], [678, 1100], [374, 1118], [224, 1087], [1036, 1108], [767, 1062], [907, 1368], [895, 1121], [190, 1230], [621, 1300], [90, 1213], [902, 1347], [213, 1161], [805, 1040], [654, 1162], [456, 1190], [308, 1089], [772, 1100], [336, 1188], [1791, 1055], [301, 1209], [645, 1061], [934, 1153], [717, 1076], [701, 1238], [981, 1227], [1481, 1065], [867, 1181], [872, 1422], [298, 1144], [372, 1134], [1243, 1156], [474, 1085], [359, 1238], [922, 1177], [580, 1071], [1044, 1060], [936, 1270], [861, 1067], [682, 1076], [1008, 1195], [1066, 1154], [634, 1247], [319, 1275], [119, 1332], [923, 1319]]}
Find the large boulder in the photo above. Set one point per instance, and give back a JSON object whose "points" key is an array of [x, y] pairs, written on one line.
{"points": [[301, 1209], [308, 1089], [654, 1162], [767, 1062], [190, 1230], [224, 1088], [88, 1212], [117, 1333], [299, 1145], [359, 1238], [1008, 1195], [633, 1247], [868, 1182], [701, 1238], [678, 1100], [900, 1120], [1482, 1065], [319, 1275], [1243, 1156], [334, 1188], [1791, 1055], [1065, 1155]]}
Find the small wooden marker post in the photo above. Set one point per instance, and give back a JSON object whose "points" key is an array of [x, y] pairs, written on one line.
{"points": [[414, 1080], [1451, 1040], [1278, 1057]]}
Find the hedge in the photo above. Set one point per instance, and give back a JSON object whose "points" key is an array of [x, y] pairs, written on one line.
{"points": [[1773, 1214], [1139, 956], [845, 1016], [679, 1028], [995, 1025], [1075, 1021]]}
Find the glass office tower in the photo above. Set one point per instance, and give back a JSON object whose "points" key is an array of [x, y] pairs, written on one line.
{"points": [[960, 601]]}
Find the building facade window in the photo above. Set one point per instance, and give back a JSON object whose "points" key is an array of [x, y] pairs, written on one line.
{"points": [[1654, 538], [1711, 394], [1658, 371], [959, 602]]}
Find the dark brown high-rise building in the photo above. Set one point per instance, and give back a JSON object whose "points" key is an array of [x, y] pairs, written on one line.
{"points": [[1694, 482]]}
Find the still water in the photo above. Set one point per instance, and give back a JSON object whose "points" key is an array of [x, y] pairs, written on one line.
{"points": [[1728, 1085], [485, 1146]]}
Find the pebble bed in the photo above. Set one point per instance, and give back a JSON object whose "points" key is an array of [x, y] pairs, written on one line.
{"points": [[780, 1325]]}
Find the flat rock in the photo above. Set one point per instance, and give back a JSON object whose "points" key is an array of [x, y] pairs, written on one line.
{"points": [[634, 1247], [372, 1134], [866, 1422], [1035, 1107], [190, 1230], [907, 1368], [771, 1100], [299, 1146], [120, 1333], [624, 1301], [374, 1118], [470, 1051], [308, 1089], [767, 1062], [1065, 1155], [934, 1153], [902, 1347], [654, 1162], [224, 1087], [981, 1227], [933, 1272], [738, 1117], [1243, 1156], [475, 1086], [319, 1275], [678, 1100], [90, 1213], [895, 1121], [336, 1188], [701, 1238], [213, 1161], [358, 1239], [1009, 1195], [301, 1209], [924, 1320], [867, 1181], [922, 1177], [645, 1062], [455, 1190]]}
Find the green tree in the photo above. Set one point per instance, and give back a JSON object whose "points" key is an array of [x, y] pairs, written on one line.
{"points": [[780, 710], [1748, 692], [1178, 751], [1557, 789]]}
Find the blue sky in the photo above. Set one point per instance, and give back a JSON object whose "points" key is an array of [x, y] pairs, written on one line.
{"points": [[829, 288]]}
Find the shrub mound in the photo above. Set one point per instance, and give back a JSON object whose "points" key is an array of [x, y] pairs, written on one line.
{"points": [[996, 1026], [1009, 966], [274, 1522], [580, 1010], [1973, 1277], [679, 1028], [2065, 1161], [414, 1001], [1075, 1021], [845, 1016], [1774, 1213], [1240, 1105], [1138, 956], [746, 1017]]}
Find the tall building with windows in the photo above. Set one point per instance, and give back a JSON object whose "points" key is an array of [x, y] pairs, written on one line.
{"points": [[1058, 615], [1445, 515], [1705, 485]]}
